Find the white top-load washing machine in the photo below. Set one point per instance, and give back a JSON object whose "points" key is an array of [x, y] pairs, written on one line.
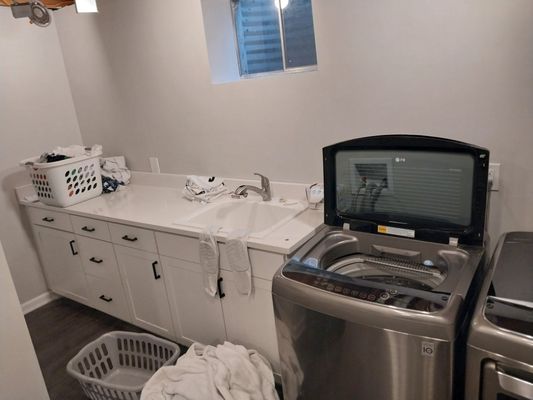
{"points": [[500, 341], [375, 306]]}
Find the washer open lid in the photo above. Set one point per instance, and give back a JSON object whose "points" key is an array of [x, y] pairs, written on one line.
{"points": [[421, 187]]}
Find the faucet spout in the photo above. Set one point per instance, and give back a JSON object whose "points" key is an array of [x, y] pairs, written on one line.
{"points": [[264, 191]]}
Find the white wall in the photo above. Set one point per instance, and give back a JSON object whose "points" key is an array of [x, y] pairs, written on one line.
{"points": [[141, 83], [36, 114], [20, 375]]}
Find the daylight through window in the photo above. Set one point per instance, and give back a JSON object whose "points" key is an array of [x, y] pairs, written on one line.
{"points": [[274, 35]]}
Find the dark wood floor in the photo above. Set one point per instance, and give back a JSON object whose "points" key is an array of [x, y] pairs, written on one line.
{"points": [[58, 331]]}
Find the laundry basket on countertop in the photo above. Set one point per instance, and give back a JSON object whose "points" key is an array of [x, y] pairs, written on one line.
{"points": [[118, 364], [67, 182]]}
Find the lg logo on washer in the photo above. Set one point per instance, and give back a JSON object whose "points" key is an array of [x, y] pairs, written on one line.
{"points": [[428, 349]]}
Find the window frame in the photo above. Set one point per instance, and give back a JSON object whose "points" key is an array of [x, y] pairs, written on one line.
{"points": [[285, 70]]}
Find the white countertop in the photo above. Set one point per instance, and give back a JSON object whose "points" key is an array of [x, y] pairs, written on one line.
{"points": [[159, 207]]}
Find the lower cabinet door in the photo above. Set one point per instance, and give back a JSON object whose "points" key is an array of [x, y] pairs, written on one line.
{"points": [[250, 319], [198, 316], [108, 296], [144, 282], [62, 263]]}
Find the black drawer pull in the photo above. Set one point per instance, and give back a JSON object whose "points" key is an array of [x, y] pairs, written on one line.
{"points": [[156, 275], [129, 239], [106, 299], [46, 219], [221, 294], [72, 249], [96, 260], [87, 229]]}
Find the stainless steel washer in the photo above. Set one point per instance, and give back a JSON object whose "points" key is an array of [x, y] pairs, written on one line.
{"points": [[500, 342], [375, 306]]}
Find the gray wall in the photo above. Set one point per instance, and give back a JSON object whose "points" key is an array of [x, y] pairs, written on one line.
{"points": [[36, 112], [141, 83]]}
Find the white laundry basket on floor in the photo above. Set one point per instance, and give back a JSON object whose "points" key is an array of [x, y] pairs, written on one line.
{"points": [[117, 365], [67, 182]]}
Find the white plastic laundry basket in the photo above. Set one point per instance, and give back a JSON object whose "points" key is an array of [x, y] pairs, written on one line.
{"points": [[67, 182], [117, 365]]}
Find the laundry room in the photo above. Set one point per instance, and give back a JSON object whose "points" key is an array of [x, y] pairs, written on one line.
{"points": [[266, 199]]}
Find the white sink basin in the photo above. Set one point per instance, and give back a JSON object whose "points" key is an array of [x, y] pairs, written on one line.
{"points": [[259, 218]]}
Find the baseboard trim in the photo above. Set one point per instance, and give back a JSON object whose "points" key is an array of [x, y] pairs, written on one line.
{"points": [[37, 302]]}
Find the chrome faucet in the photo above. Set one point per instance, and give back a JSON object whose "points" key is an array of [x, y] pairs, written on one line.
{"points": [[264, 191]]}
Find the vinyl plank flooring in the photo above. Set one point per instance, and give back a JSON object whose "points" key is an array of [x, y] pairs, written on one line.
{"points": [[59, 330]]}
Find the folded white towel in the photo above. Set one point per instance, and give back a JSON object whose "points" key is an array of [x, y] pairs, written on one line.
{"points": [[204, 188], [239, 260], [224, 372], [209, 260]]}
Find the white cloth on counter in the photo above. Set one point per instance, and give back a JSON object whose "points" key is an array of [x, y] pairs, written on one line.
{"points": [[224, 372], [115, 168], [209, 260], [204, 188], [76, 150], [239, 260]]}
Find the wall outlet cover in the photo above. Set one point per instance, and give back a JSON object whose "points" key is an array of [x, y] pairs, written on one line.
{"points": [[154, 165], [494, 177]]}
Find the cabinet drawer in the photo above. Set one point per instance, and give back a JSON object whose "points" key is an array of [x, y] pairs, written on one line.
{"points": [[52, 219], [90, 227], [108, 296], [138, 238], [264, 264], [98, 258], [176, 246]]}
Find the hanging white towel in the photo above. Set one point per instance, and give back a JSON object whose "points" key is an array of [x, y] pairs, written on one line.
{"points": [[209, 260], [239, 260]]}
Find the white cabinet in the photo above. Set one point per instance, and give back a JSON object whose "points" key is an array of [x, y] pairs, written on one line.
{"points": [[61, 263], [250, 319], [145, 289], [199, 316]]}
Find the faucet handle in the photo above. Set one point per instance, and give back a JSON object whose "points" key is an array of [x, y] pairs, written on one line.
{"points": [[265, 182]]}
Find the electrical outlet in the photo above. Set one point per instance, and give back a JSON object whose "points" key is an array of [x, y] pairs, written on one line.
{"points": [[154, 165], [494, 176]]}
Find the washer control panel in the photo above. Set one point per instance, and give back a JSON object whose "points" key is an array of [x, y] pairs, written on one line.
{"points": [[364, 290]]}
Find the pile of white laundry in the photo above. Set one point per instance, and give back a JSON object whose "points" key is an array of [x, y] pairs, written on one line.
{"points": [[204, 188], [224, 372]]}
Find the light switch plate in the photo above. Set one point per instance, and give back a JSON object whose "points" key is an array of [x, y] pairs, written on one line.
{"points": [[494, 177]]}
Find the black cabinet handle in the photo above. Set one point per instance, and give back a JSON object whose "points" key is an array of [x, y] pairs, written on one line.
{"points": [[106, 299], [132, 239], [72, 249], [96, 260], [156, 275], [87, 229], [221, 294], [46, 219]]}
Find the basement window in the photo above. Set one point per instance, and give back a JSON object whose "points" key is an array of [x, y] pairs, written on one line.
{"points": [[274, 36]]}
